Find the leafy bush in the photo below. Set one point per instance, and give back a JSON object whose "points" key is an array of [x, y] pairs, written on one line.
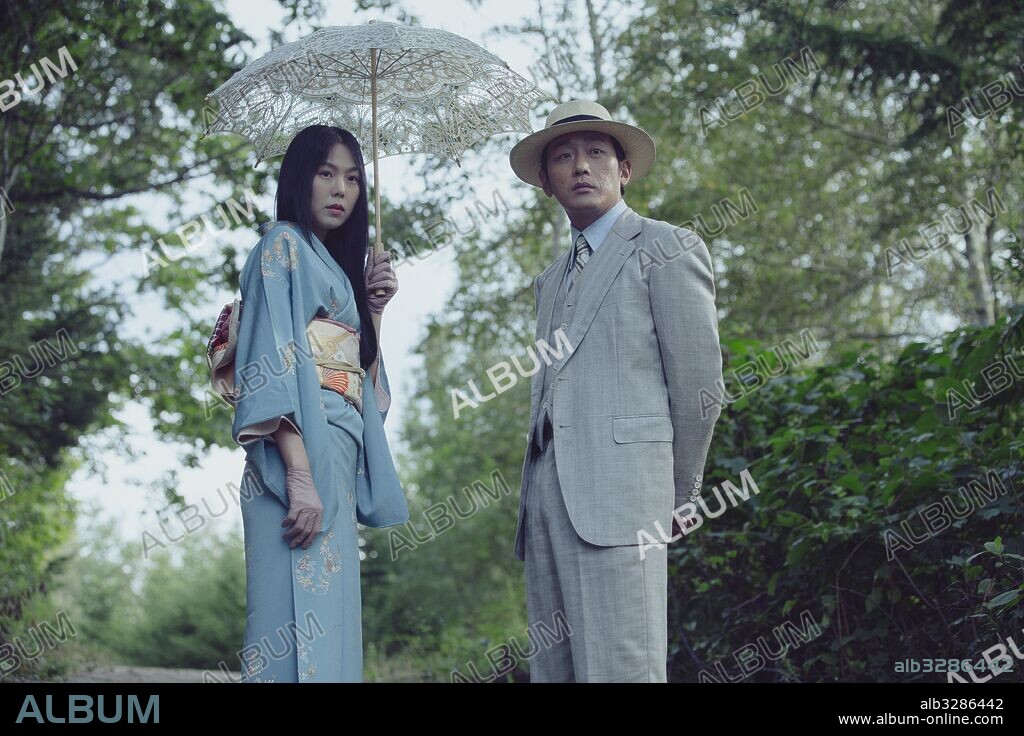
{"points": [[842, 455]]}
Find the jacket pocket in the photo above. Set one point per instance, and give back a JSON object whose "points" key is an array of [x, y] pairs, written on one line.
{"points": [[642, 428], [615, 296]]}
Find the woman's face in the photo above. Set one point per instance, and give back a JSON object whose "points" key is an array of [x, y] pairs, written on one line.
{"points": [[335, 191]]}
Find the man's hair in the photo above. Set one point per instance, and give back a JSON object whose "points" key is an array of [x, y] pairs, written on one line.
{"points": [[620, 154]]}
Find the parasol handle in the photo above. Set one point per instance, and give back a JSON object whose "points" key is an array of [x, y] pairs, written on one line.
{"points": [[378, 245]]}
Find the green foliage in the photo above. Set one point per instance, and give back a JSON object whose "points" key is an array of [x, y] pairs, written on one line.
{"points": [[833, 120], [125, 122], [36, 518], [841, 454], [184, 607]]}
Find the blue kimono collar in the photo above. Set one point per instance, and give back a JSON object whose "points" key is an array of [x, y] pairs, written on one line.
{"points": [[318, 247]]}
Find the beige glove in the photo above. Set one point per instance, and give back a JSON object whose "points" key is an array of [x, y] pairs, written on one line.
{"points": [[304, 508]]}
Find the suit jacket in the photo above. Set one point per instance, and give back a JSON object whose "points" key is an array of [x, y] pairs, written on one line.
{"points": [[630, 441]]}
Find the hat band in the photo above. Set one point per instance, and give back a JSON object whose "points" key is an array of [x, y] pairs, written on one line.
{"points": [[574, 118]]}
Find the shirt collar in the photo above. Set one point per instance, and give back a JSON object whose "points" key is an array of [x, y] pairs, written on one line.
{"points": [[597, 231]]}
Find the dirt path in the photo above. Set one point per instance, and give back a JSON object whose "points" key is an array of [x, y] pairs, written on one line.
{"points": [[123, 673]]}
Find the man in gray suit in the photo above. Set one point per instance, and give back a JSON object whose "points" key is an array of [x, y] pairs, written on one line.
{"points": [[617, 436]]}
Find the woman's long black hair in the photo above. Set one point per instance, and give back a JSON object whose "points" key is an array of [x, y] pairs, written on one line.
{"points": [[347, 244]]}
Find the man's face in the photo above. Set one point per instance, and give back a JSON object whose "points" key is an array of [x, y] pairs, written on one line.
{"points": [[584, 175]]}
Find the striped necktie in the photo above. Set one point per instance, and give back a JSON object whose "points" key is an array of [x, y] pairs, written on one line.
{"points": [[582, 255]]}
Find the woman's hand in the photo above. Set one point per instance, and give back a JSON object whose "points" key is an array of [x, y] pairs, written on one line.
{"points": [[379, 274], [304, 508]]}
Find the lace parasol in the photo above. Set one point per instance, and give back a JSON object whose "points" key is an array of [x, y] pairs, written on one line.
{"points": [[398, 89]]}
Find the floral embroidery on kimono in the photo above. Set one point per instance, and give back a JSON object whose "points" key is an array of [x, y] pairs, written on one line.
{"points": [[307, 669], [276, 254], [306, 569], [254, 667]]}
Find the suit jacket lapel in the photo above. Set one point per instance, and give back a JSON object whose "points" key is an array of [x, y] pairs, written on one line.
{"points": [[548, 294], [606, 264], [603, 267], [545, 310]]}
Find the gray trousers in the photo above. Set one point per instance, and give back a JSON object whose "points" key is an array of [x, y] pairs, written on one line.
{"points": [[613, 604]]}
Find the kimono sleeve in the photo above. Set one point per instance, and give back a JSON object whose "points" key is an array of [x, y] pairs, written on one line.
{"points": [[265, 430], [380, 500], [265, 355], [382, 388]]}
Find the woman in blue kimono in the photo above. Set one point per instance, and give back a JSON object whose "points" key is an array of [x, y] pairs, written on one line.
{"points": [[312, 399]]}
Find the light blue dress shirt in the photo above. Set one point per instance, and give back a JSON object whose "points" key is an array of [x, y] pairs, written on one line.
{"points": [[595, 233]]}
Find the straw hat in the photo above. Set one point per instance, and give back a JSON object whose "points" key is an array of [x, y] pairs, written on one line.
{"points": [[577, 115]]}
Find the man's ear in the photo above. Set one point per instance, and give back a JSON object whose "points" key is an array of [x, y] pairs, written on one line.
{"points": [[545, 183], [625, 171]]}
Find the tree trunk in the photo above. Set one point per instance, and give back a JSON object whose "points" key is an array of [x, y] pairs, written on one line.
{"points": [[981, 311]]}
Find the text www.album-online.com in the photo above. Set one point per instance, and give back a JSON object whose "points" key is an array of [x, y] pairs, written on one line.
{"points": [[940, 719]]}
